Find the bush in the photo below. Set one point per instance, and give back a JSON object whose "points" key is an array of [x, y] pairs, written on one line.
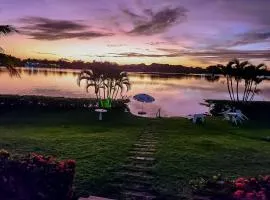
{"points": [[15, 102], [240, 189], [252, 188], [35, 177], [216, 188]]}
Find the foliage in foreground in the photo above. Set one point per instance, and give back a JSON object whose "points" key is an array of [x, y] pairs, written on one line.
{"points": [[14, 102], [240, 189], [35, 177]]}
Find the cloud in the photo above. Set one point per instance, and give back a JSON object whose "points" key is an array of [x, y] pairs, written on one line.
{"points": [[45, 53], [222, 53], [49, 29], [157, 22], [116, 45], [132, 15], [139, 55], [252, 37], [155, 43], [204, 56]]}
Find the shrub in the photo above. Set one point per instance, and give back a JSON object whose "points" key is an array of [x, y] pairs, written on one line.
{"points": [[214, 188], [252, 188], [35, 177], [239, 189]]}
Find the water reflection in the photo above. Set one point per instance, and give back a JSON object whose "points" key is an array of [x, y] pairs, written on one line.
{"points": [[175, 94]]}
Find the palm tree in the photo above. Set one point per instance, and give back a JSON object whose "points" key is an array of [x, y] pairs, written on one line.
{"points": [[5, 30], [226, 71], [122, 83], [238, 69], [242, 70], [92, 80], [110, 82], [254, 75]]}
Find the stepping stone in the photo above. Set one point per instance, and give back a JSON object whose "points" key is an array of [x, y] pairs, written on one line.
{"points": [[148, 138], [143, 145], [138, 195], [137, 175], [142, 153], [138, 168], [142, 158], [148, 142], [143, 149], [139, 187], [143, 182]]}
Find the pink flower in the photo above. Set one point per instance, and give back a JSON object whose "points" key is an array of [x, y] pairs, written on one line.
{"points": [[240, 185], [266, 178], [238, 194], [61, 166], [253, 180], [261, 195], [240, 180], [250, 196], [71, 163]]}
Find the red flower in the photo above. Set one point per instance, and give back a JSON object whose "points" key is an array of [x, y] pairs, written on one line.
{"points": [[253, 180], [238, 194], [71, 163], [61, 165], [51, 160], [266, 178], [41, 160], [240, 180], [261, 195], [250, 196], [240, 185]]}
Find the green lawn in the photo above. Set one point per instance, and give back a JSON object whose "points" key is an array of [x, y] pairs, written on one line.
{"points": [[188, 151], [185, 151], [98, 147]]}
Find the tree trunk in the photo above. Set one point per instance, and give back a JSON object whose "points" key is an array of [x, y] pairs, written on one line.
{"points": [[249, 90], [253, 94], [246, 85], [232, 89], [237, 89], [229, 87], [116, 93]]}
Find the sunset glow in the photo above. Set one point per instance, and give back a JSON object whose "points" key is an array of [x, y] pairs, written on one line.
{"points": [[138, 31]]}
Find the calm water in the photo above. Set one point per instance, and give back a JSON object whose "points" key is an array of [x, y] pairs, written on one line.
{"points": [[175, 95]]}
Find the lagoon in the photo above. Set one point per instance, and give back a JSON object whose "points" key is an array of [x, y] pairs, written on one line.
{"points": [[175, 94]]}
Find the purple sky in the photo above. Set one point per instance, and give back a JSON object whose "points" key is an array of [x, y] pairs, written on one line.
{"points": [[191, 32]]}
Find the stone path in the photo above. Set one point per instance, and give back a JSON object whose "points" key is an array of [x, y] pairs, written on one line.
{"points": [[136, 176]]}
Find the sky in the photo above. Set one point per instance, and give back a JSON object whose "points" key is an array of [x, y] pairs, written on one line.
{"points": [[187, 32]]}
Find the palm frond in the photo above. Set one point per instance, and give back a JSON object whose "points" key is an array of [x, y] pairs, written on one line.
{"points": [[13, 72], [6, 29]]}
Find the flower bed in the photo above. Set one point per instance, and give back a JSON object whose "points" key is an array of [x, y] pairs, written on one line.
{"points": [[218, 188], [35, 177]]}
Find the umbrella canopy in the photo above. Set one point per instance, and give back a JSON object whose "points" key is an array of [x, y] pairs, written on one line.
{"points": [[145, 98]]}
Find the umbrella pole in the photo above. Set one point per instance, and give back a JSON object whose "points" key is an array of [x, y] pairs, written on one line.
{"points": [[142, 107]]}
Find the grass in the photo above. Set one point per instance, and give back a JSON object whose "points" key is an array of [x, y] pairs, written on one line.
{"points": [[98, 147], [188, 151], [185, 151]]}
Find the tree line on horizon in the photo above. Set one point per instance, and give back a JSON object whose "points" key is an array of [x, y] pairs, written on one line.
{"points": [[79, 64]]}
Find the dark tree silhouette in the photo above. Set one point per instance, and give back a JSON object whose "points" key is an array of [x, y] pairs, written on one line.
{"points": [[236, 71], [107, 83], [8, 63]]}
